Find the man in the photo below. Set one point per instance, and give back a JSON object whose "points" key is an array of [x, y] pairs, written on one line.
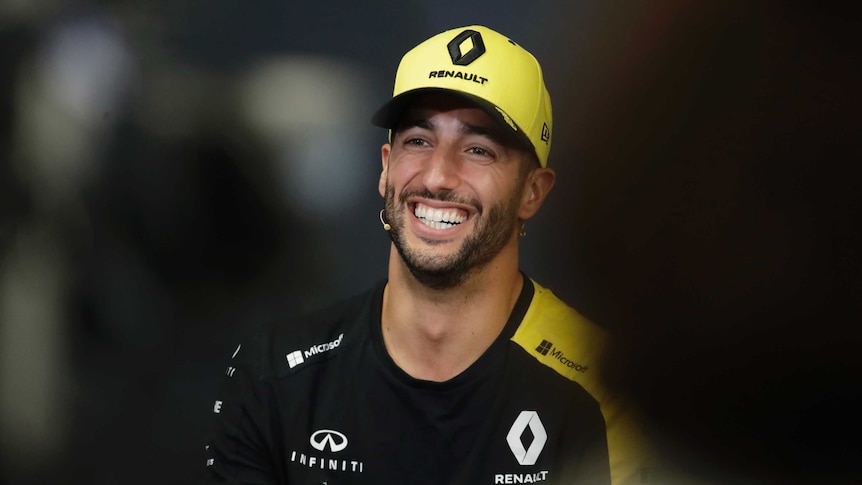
{"points": [[458, 368]]}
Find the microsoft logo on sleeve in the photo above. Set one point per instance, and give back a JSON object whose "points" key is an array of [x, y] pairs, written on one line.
{"points": [[544, 347]]}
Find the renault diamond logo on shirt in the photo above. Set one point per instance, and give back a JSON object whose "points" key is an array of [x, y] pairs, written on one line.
{"points": [[528, 455], [327, 438], [475, 48]]}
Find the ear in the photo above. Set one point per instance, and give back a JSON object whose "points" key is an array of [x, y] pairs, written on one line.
{"points": [[536, 188], [384, 155]]}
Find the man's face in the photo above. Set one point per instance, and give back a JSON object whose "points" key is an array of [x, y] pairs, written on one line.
{"points": [[452, 190]]}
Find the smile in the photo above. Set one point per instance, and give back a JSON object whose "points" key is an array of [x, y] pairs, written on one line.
{"points": [[439, 218]]}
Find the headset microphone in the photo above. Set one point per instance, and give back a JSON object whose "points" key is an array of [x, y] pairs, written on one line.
{"points": [[386, 226]]}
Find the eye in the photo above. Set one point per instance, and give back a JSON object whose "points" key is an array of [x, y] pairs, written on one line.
{"points": [[479, 151], [419, 142]]}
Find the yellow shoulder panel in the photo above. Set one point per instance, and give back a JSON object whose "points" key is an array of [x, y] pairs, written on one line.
{"points": [[558, 336]]}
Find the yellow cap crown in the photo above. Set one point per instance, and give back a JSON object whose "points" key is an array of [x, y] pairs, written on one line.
{"points": [[487, 67]]}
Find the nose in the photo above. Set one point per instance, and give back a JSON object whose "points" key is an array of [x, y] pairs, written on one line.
{"points": [[441, 170]]}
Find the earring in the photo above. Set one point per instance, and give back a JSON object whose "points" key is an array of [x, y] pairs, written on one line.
{"points": [[386, 225], [523, 231]]}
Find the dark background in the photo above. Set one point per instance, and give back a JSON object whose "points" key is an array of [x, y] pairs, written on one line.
{"points": [[173, 172]]}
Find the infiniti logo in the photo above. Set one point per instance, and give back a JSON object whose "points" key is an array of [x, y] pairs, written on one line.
{"points": [[327, 438]]}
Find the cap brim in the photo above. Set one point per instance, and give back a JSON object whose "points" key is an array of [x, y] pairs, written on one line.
{"points": [[389, 115]]}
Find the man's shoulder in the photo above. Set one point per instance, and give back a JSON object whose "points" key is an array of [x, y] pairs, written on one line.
{"points": [[279, 346], [561, 338]]}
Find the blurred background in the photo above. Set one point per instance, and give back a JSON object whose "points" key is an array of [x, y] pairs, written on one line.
{"points": [[174, 172]]}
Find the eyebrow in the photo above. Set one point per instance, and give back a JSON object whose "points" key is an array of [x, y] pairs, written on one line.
{"points": [[464, 128], [469, 129]]}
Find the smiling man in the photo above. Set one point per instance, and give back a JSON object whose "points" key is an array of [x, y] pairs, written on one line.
{"points": [[458, 369], [457, 189], [464, 180]]}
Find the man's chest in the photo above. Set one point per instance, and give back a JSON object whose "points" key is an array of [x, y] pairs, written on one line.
{"points": [[350, 423]]}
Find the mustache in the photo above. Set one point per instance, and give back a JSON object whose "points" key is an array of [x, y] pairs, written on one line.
{"points": [[441, 196]]}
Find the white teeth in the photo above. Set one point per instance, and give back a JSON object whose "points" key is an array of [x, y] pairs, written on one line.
{"points": [[438, 218], [437, 225]]}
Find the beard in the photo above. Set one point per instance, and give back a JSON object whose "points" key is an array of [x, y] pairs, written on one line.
{"points": [[492, 231]]}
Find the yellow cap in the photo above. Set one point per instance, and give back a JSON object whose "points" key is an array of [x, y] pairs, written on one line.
{"points": [[484, 66]]}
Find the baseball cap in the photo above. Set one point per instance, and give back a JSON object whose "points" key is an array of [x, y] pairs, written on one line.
{"points": [[485, 67]]}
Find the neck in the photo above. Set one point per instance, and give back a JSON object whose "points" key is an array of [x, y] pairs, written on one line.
{"points": [[435, 334]]}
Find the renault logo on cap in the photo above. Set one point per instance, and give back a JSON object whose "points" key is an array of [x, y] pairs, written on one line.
{"points": [[529, 455], [475, 48], [327, 438]]}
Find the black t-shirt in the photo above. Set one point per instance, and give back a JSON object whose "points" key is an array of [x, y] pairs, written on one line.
{"points": [[319, 400]]}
